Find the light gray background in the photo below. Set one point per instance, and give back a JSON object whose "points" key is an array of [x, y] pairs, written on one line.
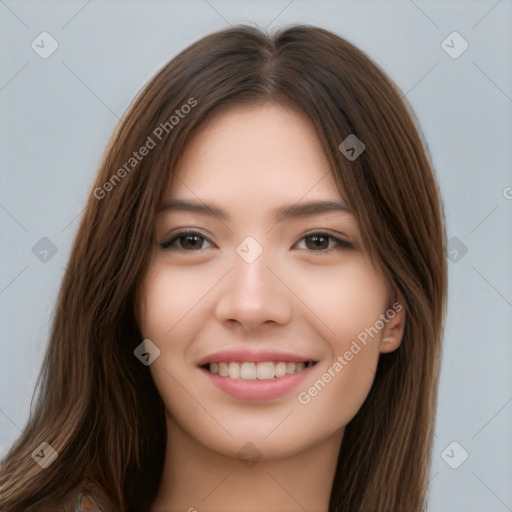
{"points": [[58, 113]]}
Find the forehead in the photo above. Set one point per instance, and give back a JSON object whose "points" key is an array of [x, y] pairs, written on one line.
{"points": [[255, 154]]}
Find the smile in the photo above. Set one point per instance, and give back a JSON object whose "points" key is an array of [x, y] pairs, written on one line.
{"points": [[256, 375], [266, 370]]}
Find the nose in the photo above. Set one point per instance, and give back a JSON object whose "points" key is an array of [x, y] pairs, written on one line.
{"points": [[253, 296]]}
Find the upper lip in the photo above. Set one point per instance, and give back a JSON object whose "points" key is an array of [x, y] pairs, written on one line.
{"points": [[242, 355]]}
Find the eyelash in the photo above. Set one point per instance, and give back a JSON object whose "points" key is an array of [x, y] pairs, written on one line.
{"points": [[340, 244]]}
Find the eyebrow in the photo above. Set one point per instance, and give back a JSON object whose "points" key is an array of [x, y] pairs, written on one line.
{"points": [[291, 211]]}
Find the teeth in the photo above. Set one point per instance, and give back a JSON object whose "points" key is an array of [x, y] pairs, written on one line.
{"points": [[234, 370], [247, 371], [290, 368], [280, 369], [257, 371], [265, 371], [223, 370]]}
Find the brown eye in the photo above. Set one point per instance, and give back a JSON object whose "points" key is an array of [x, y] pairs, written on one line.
{"points": [[191, 242], [323, 243], [186, 241], [317, 242]]}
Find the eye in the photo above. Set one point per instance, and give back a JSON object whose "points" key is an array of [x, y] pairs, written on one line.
{"points": [[324, 242], [186, 241], [193, 241]]}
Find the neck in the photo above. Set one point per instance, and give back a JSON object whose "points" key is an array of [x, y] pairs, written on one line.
{"points": [[196, 478]]}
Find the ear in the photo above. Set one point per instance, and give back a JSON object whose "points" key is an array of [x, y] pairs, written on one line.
{"points": [[393, 330]]}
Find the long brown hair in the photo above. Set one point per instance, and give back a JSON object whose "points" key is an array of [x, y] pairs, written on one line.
{"points": [[97, 405]]}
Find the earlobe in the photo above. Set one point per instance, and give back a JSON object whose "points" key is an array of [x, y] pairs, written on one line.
{"points": [[393, 330]]}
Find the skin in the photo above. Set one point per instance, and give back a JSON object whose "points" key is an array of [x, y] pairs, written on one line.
{"points": [[201, 296]]}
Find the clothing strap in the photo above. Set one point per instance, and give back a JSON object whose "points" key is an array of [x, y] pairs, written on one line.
{"points": [[87, 502]]}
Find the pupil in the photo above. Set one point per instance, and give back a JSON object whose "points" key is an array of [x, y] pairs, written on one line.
{"points": [[319, 242], [196, 241]]}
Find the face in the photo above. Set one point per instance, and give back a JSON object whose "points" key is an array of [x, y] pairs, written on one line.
{"points": [[269, 320]]}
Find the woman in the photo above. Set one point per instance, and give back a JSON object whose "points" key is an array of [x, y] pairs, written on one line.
{"points": [[251, 316]]}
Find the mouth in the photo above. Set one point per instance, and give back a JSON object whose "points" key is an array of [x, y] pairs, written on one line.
{"points": [[256, 375], [257, 370]]}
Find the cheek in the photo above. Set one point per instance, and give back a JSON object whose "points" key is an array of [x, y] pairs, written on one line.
{"points": [[348, 302], [345, 299], [169, 299], [175, 304]]}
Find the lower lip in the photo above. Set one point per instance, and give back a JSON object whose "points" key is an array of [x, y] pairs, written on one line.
{"points": [[258, 389]]}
